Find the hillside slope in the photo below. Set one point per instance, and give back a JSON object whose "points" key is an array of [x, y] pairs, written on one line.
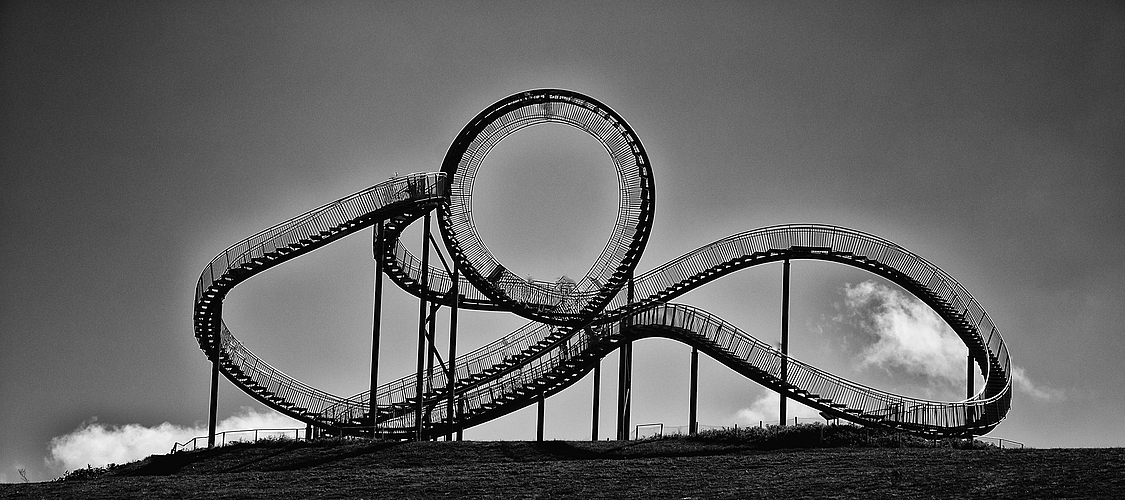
{"points": [[609, 469]]}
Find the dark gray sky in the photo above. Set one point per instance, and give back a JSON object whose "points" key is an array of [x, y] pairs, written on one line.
{"points": [[138, 140]]}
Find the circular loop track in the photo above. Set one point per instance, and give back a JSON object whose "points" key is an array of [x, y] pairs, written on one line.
{"points": [[559, 302]]}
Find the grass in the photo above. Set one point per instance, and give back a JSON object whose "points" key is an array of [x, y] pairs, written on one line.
{"points": [[800, 461]]}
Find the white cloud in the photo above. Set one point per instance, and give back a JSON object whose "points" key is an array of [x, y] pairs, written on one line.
{"points": [[767, 409], [97, 444], [908, 336]]}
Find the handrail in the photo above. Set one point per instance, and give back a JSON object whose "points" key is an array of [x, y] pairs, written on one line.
{"points": [[222, 437], [284, 241]]}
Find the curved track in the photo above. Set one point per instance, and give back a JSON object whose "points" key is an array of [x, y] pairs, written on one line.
{"points": [[575, 324]]}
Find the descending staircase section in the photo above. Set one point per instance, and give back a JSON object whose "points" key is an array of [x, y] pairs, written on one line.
{"points": [[488, 395], [948, 298], [816, 388]]}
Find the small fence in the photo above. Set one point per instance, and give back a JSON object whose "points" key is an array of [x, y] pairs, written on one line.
{"points": [[640, 431], [1001, 442], [659, 430], [242, 436]]}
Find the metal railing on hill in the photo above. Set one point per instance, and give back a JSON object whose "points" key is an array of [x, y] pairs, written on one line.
{"points": [[243, 436]]}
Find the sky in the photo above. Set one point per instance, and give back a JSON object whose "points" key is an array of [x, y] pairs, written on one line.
{"points": [[139, 140]]}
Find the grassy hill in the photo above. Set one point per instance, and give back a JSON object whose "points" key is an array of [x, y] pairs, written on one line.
{"points": [[813, 461]]}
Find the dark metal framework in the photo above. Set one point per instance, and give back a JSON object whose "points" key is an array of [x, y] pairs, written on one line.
{"points": [[573, 327]]}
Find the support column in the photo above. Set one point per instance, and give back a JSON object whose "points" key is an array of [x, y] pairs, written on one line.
{"points": [[969, 377], [214, 397], [597, 400], [422, 326], [693, 422], [460, 411], [431, 349], [376, 314], [539, 424], [623, 390], [784, 337], [452, 378], [625, 376]]}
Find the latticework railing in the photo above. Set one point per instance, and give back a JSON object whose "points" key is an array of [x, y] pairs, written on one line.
{"points": [[551, 302]]}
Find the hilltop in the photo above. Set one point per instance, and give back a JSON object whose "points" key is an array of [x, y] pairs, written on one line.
{"points": [[718, 466]]}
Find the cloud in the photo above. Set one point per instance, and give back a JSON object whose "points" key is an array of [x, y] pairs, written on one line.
{"points": [[906, 335], [96, 444], [1023, 383], [767, 409]]}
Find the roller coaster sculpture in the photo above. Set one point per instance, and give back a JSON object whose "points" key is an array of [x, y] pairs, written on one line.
{"points": [[574, 324]]}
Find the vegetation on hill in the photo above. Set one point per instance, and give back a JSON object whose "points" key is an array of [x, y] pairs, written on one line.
{"points": [[796, 461]]}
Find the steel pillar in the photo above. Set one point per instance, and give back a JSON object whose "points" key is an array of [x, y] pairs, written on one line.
{"points": [[784, 338], [693, 395], [452, 377], [431, 327], [623, 389], [625, 376], [376, 314], [460, 410], [214, 397], [539, 423], [597, 399], [969, 377], [420, 388]]}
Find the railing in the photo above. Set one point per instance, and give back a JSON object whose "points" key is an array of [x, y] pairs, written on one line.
{"points": [[865, 251], [763, 362], [283, 241], [512, 369], [999, 442], [657, 427], [546, 301], [221, 437]]}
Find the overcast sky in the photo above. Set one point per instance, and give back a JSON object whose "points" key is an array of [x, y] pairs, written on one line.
{"points": [[139, 140]]}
